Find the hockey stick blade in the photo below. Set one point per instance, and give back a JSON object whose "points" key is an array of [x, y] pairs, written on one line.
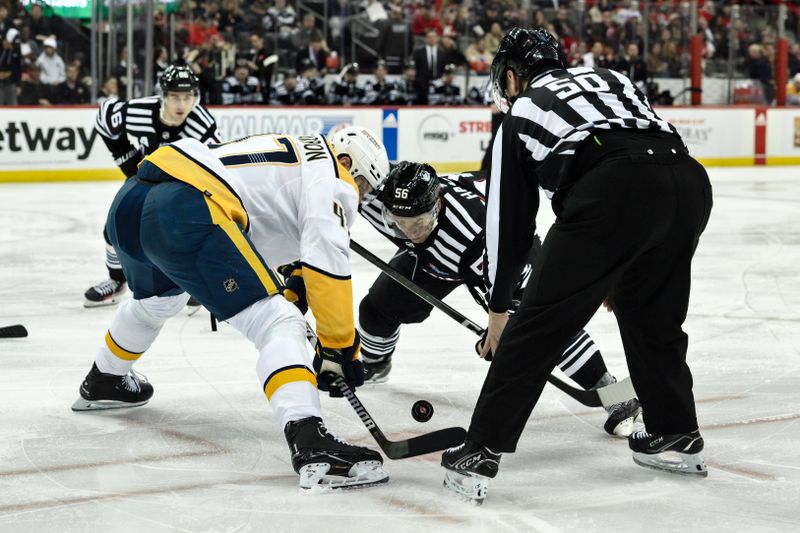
{"points": [[402, 449], [13, 332]]}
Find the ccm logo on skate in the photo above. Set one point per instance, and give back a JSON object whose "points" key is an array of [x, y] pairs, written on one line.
{"points": [[469, 461]]}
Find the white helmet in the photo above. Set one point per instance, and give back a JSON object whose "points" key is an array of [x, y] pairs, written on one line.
{"points": [[367, 153]]}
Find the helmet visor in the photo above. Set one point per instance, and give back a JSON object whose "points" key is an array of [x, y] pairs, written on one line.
{"points": [[497, 85], [416, 228]]}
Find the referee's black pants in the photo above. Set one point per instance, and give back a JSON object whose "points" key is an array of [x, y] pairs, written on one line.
{"points": [[628, 229]]}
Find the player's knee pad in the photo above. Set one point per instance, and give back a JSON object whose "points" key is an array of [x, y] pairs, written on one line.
{"points": [[270, 318], [157, 309]]}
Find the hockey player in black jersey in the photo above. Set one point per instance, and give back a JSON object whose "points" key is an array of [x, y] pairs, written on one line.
{"points": [[347, 91], [444, 91], [437, 224], [136, 128], [630, 207]]}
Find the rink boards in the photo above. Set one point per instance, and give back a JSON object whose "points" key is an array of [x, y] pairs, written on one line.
{"points": [[60, 143]]}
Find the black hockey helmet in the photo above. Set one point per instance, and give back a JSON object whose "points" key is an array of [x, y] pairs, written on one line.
{"points": [[411, 189], [526, 52], [410, 200], [449, 68], [351, 69], [179, 78]]}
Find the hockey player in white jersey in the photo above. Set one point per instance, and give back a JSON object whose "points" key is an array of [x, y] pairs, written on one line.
{"points": [[216, 218], [135, 128]]}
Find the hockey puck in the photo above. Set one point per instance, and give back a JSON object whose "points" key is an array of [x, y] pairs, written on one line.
{"points": [[422, 410]]}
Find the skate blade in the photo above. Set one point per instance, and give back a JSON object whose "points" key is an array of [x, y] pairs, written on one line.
{"points": [[686, 464], [89, 304], [362, 475], [82, 404], [467, 487]]}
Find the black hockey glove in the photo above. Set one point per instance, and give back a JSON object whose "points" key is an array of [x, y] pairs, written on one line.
{"points": [[331, 363], [294, 288]]}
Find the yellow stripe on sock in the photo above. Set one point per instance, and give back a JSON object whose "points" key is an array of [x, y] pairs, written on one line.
{"points": [[120, 352], [289, 375]]}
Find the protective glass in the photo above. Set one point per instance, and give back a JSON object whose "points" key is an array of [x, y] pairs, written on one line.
{"points": [[416, 228]]}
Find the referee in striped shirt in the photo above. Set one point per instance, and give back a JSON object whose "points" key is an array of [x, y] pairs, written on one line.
{"points": [[630, 206]]}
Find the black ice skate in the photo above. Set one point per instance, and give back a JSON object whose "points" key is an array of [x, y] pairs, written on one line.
{"points": [[468, 469], [624, 418], [104, 293], [326, 461], [684, 448], [109, 391], [377, 370]]}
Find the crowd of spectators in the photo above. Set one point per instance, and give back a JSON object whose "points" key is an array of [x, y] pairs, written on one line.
{"points": [[258, 52]]}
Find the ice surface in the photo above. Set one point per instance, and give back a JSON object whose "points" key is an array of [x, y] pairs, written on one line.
{"points": [[206, 455]]}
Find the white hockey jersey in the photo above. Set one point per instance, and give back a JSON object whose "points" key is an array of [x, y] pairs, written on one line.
{"points": [[298, 205]]}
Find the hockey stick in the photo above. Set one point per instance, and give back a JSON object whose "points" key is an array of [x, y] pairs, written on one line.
{"points": [[400, 449], [13, 332], [590, 398]]}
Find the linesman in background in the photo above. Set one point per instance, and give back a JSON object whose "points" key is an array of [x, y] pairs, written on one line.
{"points": [[151, 122], [630, 206]]}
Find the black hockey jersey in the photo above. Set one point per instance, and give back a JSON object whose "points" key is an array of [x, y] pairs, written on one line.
{"points": [[344, 93], [440, 93], [404, 93], [454, 249], [235, 92], [132, 129], [378, 92]]}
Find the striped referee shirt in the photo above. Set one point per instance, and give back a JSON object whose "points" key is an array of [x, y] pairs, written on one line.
{"points": [[454, 250], [547, 123], [132, 129]]}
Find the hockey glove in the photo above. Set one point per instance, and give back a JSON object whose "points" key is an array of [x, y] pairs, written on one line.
{"points": [[331, 363], [294, 288]]}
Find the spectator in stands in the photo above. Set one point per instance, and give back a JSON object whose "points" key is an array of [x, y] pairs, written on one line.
{"points": [[347, 91], [71, 90], [261, 63], [394, 40], [317, 52], [494, 36], [160, 64], [429, 60], [28, 47], [491, 15], [230, 18], [632, 66], [308, 28], [41, 29], [51, 64], [407, 89], [33, 91], [378, 90], [287, 92], [425, 20], [110, 89], [121, 72], [10, 67], [5, 21], [241, 88], [281, 19], [201, 30], [479, 57], [793, 90], [656, 66], [451, 53], [794, 59], [759, 68], [444, 91]]}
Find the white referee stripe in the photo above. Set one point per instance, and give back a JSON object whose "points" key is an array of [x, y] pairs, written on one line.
{"points": [[143, 129], [538, 150], [549, 120], [582, 106], [139, 120], [493, 210]]}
